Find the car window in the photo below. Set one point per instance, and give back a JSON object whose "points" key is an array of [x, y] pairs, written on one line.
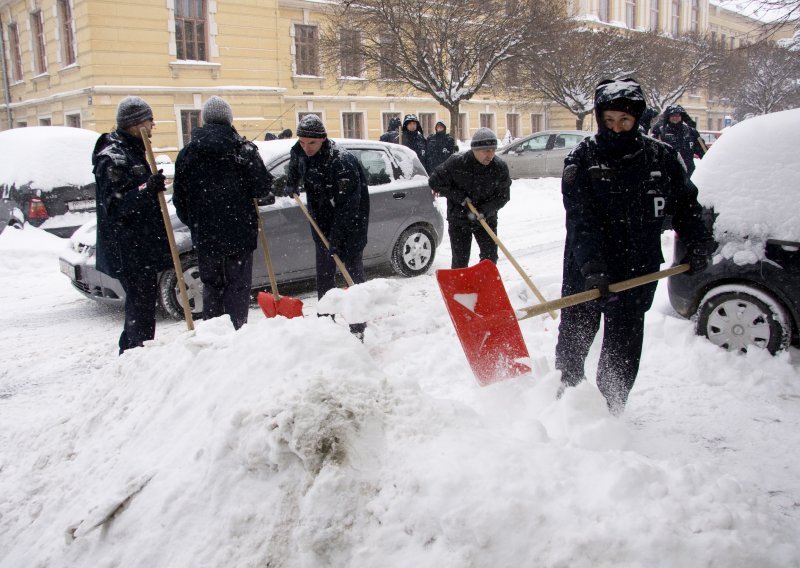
{"points": [[567, 140], [376, 163], [278, 172], [535, 143]]}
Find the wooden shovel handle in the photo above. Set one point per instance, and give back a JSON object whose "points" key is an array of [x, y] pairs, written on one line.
{"points": [[173, 249], [273, 282], [511, 259], [589, 295], [325, 242]]}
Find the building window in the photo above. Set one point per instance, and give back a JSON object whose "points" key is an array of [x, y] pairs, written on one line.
{"points": [[46, 121], [67, 37], [537, 122], [190, 29], [14, 52], [190, 119], [694, 20], [512, 123], [675, 18], [306, 46], [387, 116], [427, 120], [710, 123], [39, 53], [388, 48], [72, 120], [512, 73], [487, 120], [654, 15], [463, 126], [350, 53], [603, 12], [353, 125], [630, 13], [733, 42], [21, 124], [713, 39]]}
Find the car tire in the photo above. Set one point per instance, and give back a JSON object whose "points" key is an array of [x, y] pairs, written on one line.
{"points": [[169, 294], [739, 319], [414, 251]]}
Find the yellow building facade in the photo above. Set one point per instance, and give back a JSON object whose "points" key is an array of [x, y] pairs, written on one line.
{"points": [[69, 62]]}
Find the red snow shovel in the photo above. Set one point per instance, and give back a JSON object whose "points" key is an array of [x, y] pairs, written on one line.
{"points": [[273, 304], [484, 320]]}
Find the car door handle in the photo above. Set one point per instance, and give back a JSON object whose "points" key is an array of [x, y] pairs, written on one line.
{"points": [[399, 194]]}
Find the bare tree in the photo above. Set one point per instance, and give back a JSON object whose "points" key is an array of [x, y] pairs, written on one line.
{"points": [[445, 48], [568, 70], [768, 79], [669, 67]]}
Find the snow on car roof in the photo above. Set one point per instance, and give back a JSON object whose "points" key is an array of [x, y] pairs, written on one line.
{"points": [[46, 156], [751, 176]]}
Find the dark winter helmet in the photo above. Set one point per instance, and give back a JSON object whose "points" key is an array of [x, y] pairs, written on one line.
{"points": [[394, 123], [623, 95], [674, 109], [411, 118], [438, 123]]}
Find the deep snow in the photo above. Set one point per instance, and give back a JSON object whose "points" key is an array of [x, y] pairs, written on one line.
{"points": [[289, 443]]}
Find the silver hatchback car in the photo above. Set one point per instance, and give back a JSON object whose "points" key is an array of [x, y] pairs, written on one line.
{"points": [[405, 228], [541, 154]]}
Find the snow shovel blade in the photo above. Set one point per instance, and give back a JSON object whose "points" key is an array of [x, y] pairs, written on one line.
{"points": [[284, 306], [484, 320]]}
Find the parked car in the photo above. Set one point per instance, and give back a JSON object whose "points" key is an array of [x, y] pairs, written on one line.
{"points": [[750, 295], [541, 154], [709, 136], [48, 171], [10, 214], [405, 228]]}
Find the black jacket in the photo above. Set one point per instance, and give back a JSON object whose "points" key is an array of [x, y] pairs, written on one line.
{"points": [[393, 132], [337, 195], [616, 194], [440, 147], [683, 138], [416, 139], [217, 176], [488, 187], [131, 237]]}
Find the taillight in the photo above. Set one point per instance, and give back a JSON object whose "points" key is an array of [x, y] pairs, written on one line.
{"points": [[36, 209]]}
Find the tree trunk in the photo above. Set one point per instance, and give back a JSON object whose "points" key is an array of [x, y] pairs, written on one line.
{"points": [[455, 116]]}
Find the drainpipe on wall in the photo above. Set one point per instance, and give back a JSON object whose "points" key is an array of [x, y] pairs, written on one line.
{"points": [[6, 88]]}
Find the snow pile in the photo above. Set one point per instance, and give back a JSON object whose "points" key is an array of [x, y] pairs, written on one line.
{"points": [[47, 156]]}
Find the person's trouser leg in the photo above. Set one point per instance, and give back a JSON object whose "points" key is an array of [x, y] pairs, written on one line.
{"points": [[623, 334], [487, 246], [355, 266], [238, 274], [212, 275], [576, 332], [141, 290], [460, 244], [326, 270]]}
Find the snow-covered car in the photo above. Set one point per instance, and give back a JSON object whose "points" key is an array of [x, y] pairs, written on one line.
{"points": [[405, 228], [540, 154], [48, 171], [750, 294], [10, 214]]}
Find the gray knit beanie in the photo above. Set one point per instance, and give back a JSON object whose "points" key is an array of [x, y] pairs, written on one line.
{"points": [[484, 139], [311, 127], [217, 111], [132, 111]]}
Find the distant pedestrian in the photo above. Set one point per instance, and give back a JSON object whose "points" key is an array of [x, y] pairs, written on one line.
{"points": [[270, 136], [285, 134], [132, 242], [676, 129], [483, 177], [440, 147], [217, 177], [393, 134], [337, 197], [617, 186], [412, 137]]}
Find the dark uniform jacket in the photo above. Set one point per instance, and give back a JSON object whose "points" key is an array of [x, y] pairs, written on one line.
{"points": [[414, 140], [440, 147], [337, 195], [131, 237], [681, 136], [217, 176], [393, 132], [616, 197], [488, 187]]}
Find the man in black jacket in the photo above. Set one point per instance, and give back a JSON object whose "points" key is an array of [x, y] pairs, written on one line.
{"points": [[440, 147], [617, 186], [217, 176], [675, 129], [131, 239], [337, 198], [412, 137], [483, 177], [393, 133]]}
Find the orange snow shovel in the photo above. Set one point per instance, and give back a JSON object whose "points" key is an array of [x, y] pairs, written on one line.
{"points": [[273, 304]]}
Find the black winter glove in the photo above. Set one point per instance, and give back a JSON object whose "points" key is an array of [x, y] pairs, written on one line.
{"points": [[698, 257], [156, 183], [595, 275], [268, 199], [290, 191]]}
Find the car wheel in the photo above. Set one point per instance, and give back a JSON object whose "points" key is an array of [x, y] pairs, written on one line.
{"points": [[414, 251], [740, 319], [169, 293]]}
